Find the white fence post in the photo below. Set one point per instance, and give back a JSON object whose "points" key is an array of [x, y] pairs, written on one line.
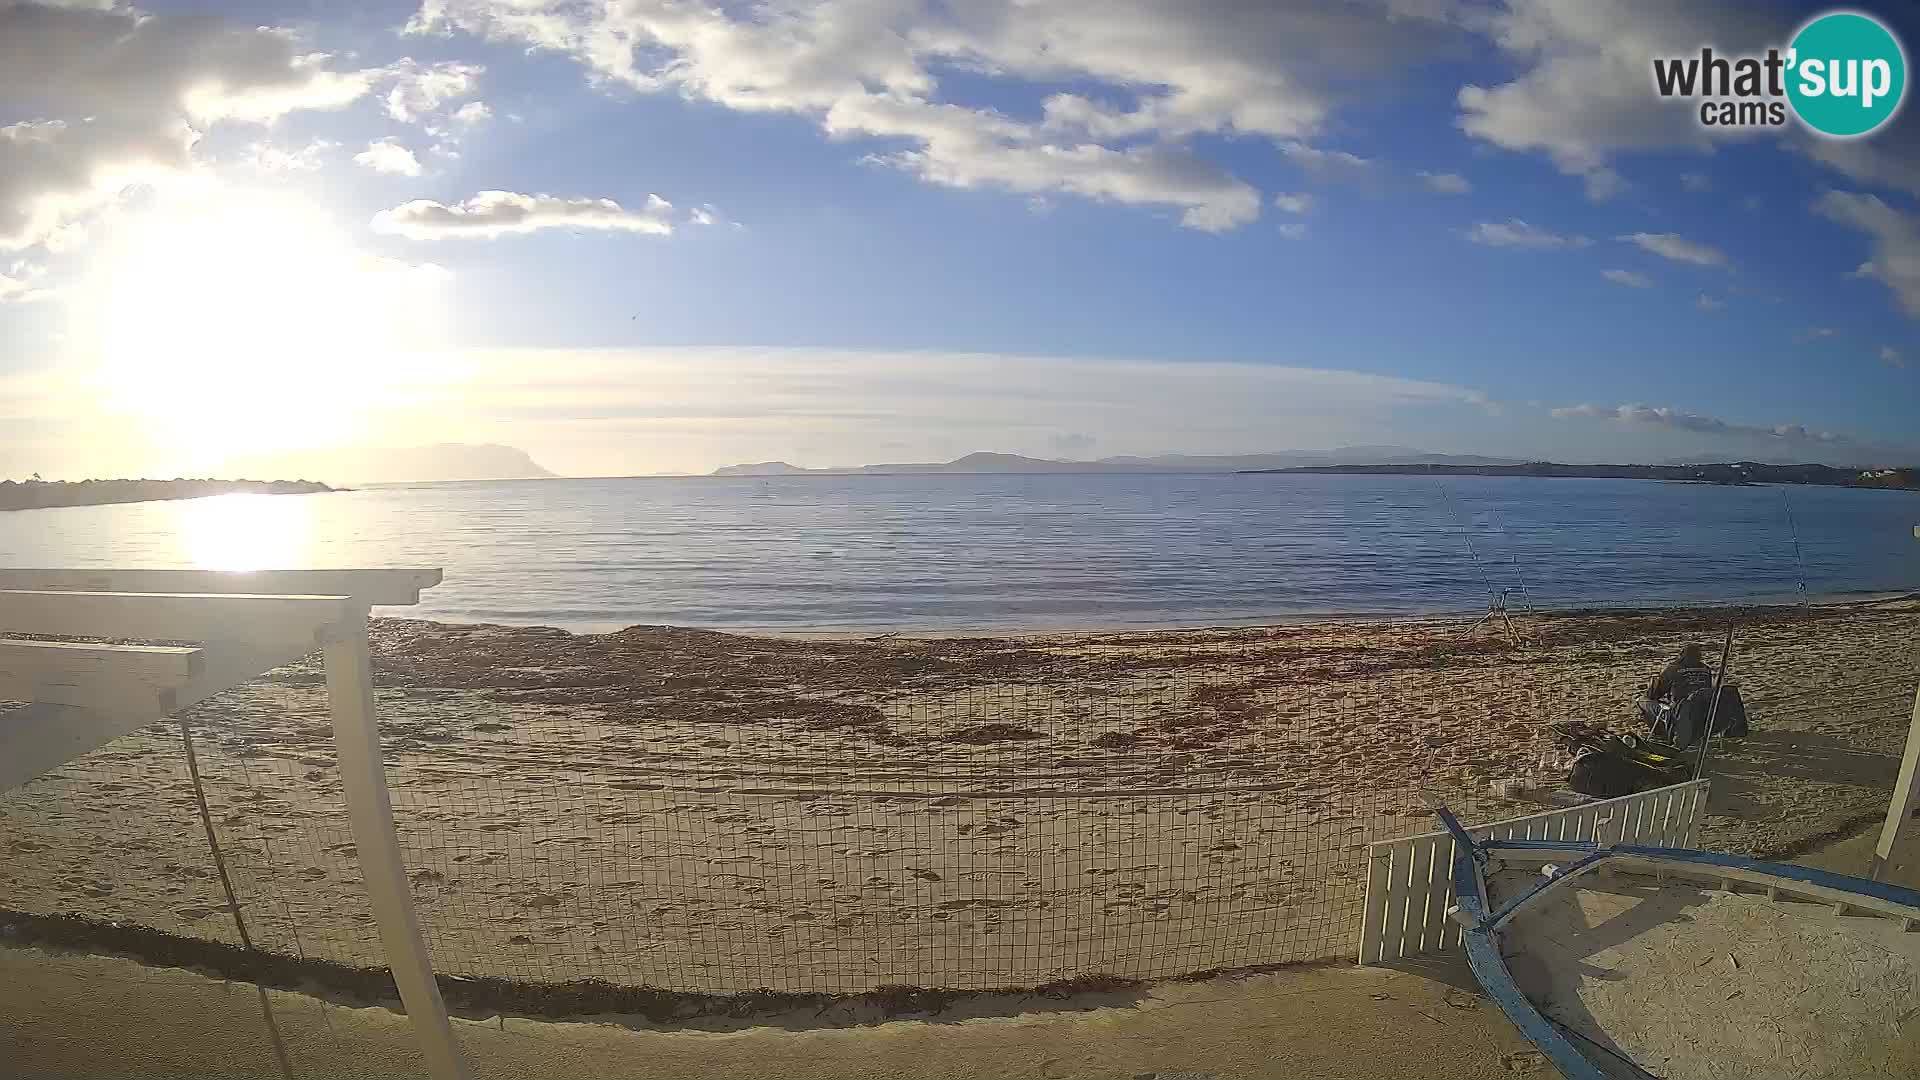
{"points": [[363, 775]]}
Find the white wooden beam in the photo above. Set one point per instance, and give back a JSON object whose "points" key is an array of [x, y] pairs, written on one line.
{"points": [[370, 808], [161, 665], [1906, 793], [1906, 798], [391, 587], [173, 616], [45, 735]]}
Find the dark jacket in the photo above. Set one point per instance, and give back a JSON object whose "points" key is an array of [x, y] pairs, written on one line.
{"points": [[1682, 676]]}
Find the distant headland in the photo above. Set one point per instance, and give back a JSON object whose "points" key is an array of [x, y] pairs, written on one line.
{"points": [[986, 463], [1739, 473], [398, 464], [41, 494]]}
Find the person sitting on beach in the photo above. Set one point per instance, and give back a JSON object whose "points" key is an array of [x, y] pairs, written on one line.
{"points": [[1681, 697]]}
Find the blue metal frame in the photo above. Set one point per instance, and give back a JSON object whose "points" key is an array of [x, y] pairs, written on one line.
{"points": [[1480, 932]]}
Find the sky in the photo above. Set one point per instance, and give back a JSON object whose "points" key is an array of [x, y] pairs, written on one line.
{"points": [[641, 236]]}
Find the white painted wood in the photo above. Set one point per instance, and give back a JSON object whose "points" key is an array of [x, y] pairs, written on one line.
{"points": [[1906, 797], [1719, 877], [1373, 908], [377, 586], [160, 665], [1410, 880], [173, 616], [1393, 925], [370, 808], [45, 735]]}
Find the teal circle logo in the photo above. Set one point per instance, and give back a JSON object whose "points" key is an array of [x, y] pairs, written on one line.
{"points": [[1846, 74]]}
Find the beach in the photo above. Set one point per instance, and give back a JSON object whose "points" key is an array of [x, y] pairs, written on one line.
{"points": [[715, 813]]}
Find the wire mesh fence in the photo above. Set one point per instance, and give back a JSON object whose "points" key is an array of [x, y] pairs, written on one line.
{"points": [[707, 813]]}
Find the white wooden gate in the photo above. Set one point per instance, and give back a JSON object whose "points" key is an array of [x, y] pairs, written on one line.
{"points": [[1410, 880]]}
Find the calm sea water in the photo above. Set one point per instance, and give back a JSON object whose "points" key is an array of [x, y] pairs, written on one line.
{"points": [[961, 552]]}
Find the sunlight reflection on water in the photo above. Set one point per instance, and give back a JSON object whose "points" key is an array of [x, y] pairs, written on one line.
{"points": [[244, 532]]}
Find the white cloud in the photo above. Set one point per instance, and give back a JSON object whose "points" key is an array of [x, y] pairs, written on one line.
{"points": [[1294, 202], [17, 283], [1896, 242], [266, 157], [388, 156], [1677, 248], [1156, 74], [1694, 181], [501, 213], [1584, 92], [1892, 357], [1292, 230], [700, 215], [419, 90], [1708, 303], [121, 98], [472, 114], [1515, 233], [1445, 183], [1679, 419], [609, 411], [1628, 278]]}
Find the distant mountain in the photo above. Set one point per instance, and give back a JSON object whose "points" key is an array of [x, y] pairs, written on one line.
{"points": [[397, 465], [984, 462], [1731, 473]]}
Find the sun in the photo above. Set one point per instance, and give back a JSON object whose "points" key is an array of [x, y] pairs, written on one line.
{"points": [[238, 325]]}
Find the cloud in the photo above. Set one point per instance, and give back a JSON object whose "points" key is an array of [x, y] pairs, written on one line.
{"points": [[1148, 77], [388, 156], [1072, 443], [1628, 278], [1680, 420], [1292, 230], [1896, 242], [1445, 183], [472, 114], [122, 98], [1677, 248], [1815, 333], [700, 408], [1892, 357], [1584, 92], [1694, 181], [1294, 202], [420, 89], [17, 284], [501, 213], [1708, 303], [1515, 233], [266, 157]]}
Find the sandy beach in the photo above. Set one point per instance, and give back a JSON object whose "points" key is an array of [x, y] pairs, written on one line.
{"points": [[712, 812]]}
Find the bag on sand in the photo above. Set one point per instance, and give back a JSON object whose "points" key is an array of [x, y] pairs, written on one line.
{"points": [[1606, 765], [1682, 723]]}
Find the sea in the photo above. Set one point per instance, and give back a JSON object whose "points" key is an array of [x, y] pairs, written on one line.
{"points": [[1024, 552]]}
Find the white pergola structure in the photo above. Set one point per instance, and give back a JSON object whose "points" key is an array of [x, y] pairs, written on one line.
{"points": [[1906, 798], [82, 694]]}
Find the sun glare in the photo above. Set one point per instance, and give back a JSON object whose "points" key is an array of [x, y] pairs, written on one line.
{"points": [[237, 326], [244, 532]]}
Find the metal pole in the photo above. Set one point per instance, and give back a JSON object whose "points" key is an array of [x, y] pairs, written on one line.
{"points": [[1713, 711], [364, 776]]}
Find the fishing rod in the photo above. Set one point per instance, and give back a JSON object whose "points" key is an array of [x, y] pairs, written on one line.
{"points": [[1496, 599], [1799, 560]]}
